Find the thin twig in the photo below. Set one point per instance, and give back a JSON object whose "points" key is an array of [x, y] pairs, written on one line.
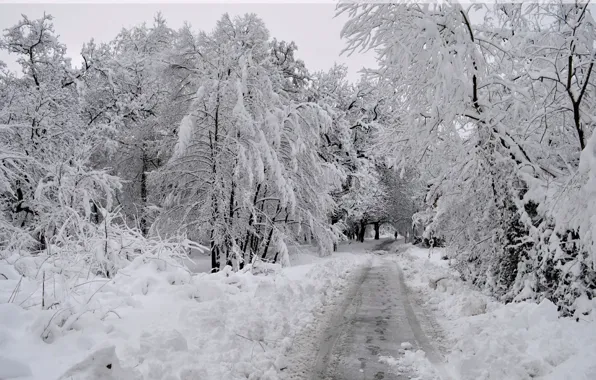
{"points": [[13, 295], [252, 340], [111, 311], [43, 291]]}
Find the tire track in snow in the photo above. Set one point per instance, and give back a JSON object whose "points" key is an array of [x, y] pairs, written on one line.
{"points": [[314, 344], [332, 332], [373, 319], [422, 339]]}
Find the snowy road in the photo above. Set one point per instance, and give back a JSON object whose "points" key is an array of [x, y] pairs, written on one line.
{"points": [[373, 321]]}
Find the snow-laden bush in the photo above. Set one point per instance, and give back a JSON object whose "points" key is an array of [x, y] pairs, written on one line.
{"points": [[64, 284]]}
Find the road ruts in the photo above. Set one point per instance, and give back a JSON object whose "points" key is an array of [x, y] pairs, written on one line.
{"points": [[377, 317]]}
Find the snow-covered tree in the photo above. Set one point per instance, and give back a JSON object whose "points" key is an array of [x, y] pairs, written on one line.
{"points": [[494, 115], [126, 94], [48, 186], [245, 173]]}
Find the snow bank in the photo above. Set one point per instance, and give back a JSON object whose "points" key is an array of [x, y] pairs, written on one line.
{"points": [[156, 320], [411, 359], [492, 341], [308, 254]]}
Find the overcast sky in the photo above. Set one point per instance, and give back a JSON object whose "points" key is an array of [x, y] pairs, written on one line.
{"points": [[312, 26]]}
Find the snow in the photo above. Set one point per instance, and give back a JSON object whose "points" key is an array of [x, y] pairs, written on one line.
{"points": [[158, 320], [411, 359], [492, 341], [102, 364], [433, 255], [198, 262], [10, 369]]}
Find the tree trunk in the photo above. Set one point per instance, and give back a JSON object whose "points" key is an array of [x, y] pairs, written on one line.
{"points": [[362, 231], [94, 213], [214, 254], [250, 220], [143, 219], [377, 230], [213, 137], [267, 244], [214, 261]]}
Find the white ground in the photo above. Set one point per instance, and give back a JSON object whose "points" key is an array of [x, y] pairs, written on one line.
{"points": [[486, 340], [156, 320], [369, 331]]}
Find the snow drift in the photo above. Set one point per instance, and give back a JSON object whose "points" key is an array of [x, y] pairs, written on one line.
{"points": [[493, 341], [156, 320]]}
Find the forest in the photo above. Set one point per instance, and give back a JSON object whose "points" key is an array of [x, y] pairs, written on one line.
{"points": [[475, 132]]}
